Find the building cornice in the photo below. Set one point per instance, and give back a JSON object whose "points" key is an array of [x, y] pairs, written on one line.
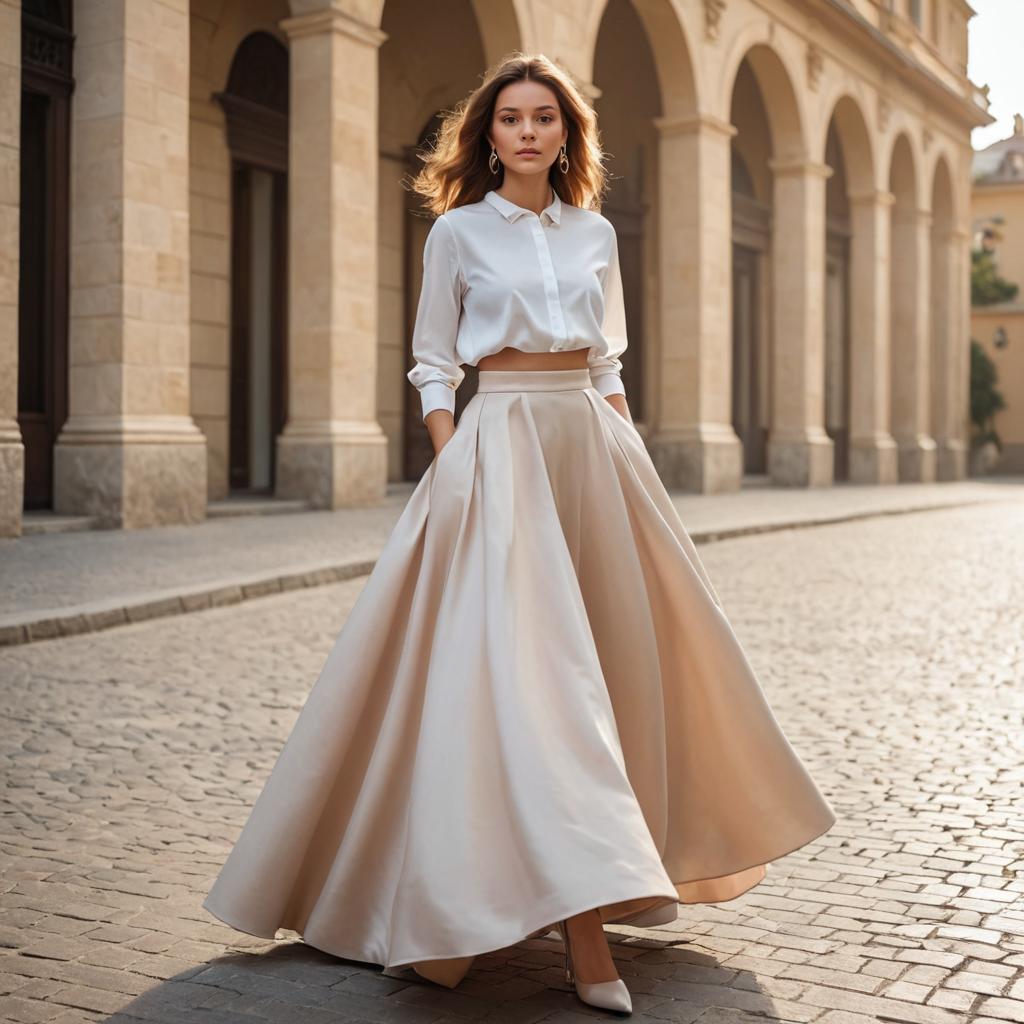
{"points": [[997, 186], [846, 17]]}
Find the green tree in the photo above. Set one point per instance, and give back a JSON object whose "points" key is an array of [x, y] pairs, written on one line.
{"points": [[986, 400], [987, 287]]}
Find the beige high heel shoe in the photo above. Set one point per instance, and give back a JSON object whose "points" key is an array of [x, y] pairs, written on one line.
{"points": [[607, 995], [444, 972]]}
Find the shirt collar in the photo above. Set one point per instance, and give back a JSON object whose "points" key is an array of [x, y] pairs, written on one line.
{"points": [[511, 212]]}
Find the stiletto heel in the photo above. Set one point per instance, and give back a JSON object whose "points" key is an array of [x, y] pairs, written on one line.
{"points": [[606, 995]]}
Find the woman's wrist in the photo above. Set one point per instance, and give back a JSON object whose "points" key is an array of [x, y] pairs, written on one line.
{"points": [[618, 402], [440, 425]]}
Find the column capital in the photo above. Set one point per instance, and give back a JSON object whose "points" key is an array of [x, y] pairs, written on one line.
{"points": [[330, 19], [689, 124], [799, 168], [872, 197]]}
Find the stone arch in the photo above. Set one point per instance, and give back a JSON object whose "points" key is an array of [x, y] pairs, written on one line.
{"points": [[847, 149], [910, 252], [645, 88], [946, 342], [218, 30], [426, 66], [901, 146], [784, 367], [944, 162], [858, 146], [783, 105], [846, 99], [670, 44]]}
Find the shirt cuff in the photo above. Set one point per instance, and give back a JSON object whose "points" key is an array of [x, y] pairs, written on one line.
{"points": [[435, 394], [609, 383]]}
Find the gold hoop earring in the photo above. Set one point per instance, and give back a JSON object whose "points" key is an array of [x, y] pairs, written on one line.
{"points": [[493, 161], [563, 161]]}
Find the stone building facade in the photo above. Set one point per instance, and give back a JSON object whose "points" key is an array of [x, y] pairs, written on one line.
{"points": [[210, 289]]}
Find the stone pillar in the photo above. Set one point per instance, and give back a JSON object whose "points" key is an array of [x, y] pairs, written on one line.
{"points": [[800, 453], [872, 448], [911, 288], [12, 451], [129, 452], [951, 327], [693, 444], [332, 451]]}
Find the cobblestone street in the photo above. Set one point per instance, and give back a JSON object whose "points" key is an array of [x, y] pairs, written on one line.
{"points": [[891, 649]]}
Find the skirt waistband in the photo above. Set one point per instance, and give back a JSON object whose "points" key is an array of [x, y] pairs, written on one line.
{"points": [[533, 380]]}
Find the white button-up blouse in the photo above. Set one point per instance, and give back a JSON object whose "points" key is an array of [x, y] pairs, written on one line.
{"points": [[496, 275]]}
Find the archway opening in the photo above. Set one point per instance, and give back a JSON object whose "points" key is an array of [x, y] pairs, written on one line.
{"points": [[752, 205], [449, 53], [255, 104], [904, 265], [944, 340], [46, 84], [630, 100]]}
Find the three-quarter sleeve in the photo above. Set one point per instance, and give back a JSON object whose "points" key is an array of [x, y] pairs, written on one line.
{"points": [[437, 372], [605, 370]]}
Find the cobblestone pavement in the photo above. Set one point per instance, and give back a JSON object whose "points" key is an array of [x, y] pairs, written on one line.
{"points": [[892, 650], [43, 572]]}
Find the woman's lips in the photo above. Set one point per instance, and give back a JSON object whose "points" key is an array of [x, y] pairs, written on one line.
{"points": [[528, 152]]}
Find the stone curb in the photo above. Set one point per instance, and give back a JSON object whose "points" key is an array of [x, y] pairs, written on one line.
{"points": [[92, 617]]}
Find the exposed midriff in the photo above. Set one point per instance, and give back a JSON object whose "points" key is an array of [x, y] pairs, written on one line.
{"points": [[514, 359]]}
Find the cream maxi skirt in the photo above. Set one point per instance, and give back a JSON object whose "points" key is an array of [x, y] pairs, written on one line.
{"points": [[537, 706]]}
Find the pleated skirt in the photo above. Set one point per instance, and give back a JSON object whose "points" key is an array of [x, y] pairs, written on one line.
{"points": [[537, 706]]}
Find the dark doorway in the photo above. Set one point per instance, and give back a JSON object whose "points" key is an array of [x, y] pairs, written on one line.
{"points": [[747, 419], [751, 239], [46, 86], [256, 108]]}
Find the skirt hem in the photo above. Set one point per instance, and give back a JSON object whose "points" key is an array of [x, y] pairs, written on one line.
{"points": [[522, 933]]}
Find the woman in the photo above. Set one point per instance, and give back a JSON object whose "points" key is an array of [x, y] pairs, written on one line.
{"points": [[537, 714]]}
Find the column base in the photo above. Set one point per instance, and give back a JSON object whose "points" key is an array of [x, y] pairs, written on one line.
{"points": [[951, 459], [803, 458], [12, 479], [874, 460], [705, 459], [917, 458], [131, 472], [333, 465]]}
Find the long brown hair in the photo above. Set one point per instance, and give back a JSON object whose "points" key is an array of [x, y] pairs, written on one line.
{"points": [[456, 170]]}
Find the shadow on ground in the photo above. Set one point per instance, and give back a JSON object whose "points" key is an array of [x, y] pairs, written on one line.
{"points": [[293, 982]]}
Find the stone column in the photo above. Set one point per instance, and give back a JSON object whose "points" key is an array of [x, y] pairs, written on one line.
{"points": [[911, 284], [129, 452], [872, 448], [693, 444], [952, 347], [800, 453], [332, 451], [12, 451]]}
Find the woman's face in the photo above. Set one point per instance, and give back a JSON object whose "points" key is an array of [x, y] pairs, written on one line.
{"points": [[527, 117]]}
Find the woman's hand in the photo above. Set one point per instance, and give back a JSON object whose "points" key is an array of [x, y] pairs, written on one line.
{"points": [[440, 425], [618, 403]]}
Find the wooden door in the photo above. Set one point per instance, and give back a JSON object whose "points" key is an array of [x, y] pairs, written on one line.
{"points": [[46, 88]]}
